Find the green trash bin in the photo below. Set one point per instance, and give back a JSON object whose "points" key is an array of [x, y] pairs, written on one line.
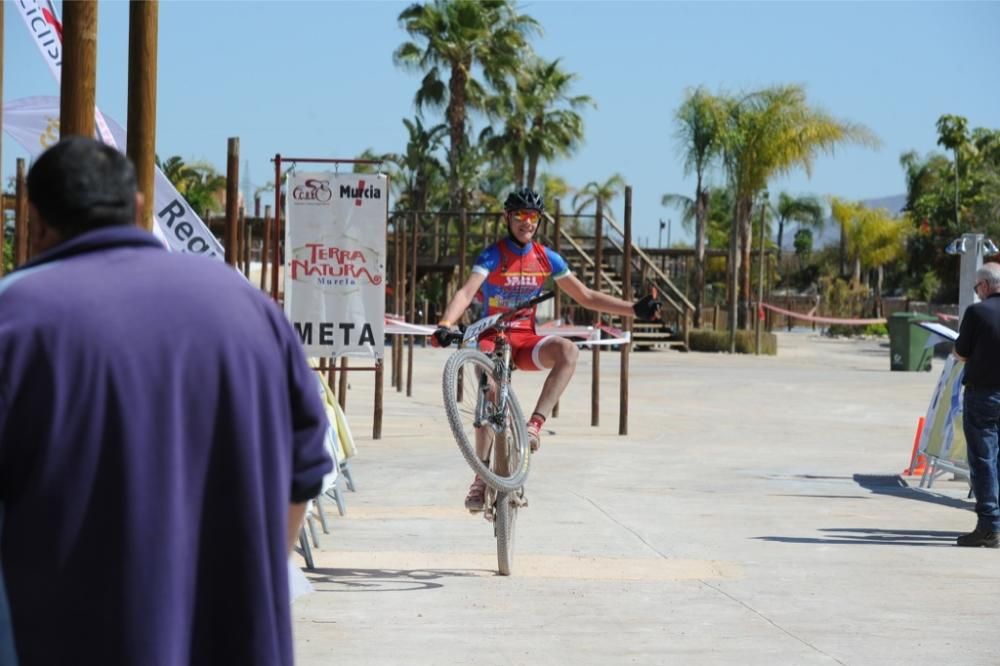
{"points": [[907, 342]]}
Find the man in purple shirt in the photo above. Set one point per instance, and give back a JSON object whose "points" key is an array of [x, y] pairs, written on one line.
{"points": [[160, 434]]}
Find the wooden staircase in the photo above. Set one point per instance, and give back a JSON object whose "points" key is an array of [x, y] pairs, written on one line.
{"points": [[580, 253]]}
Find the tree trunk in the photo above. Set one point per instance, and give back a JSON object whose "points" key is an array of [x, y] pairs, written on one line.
{"points": [[700, 211], [878, 292], [532, 171], [732, 278], [455, 114], [781, 234], [745, 233]]}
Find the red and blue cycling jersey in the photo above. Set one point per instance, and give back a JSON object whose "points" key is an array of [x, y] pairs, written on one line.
{"points": [[515, 274]]}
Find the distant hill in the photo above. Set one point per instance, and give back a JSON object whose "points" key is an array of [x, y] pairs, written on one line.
{"points": [[830, 235]]}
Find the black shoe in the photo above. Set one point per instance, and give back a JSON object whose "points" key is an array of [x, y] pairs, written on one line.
{"points": [[979, 538]]}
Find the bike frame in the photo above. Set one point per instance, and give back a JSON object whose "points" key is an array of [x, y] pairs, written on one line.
{"points": [[502, 370]]}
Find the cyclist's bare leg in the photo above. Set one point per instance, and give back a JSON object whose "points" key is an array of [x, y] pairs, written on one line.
{"points": [[477, 491], [560, 355]]}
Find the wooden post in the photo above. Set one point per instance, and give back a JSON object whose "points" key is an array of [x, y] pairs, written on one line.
{"points": [[276, 231], [20, 214], [264, 247], [397, 302], [556, 234], [627, 321], [79, 69], [404, 285], [463, 247], [240, 238], [377, 417], [232, 199], [595, 376], [413, 304], [558, 300], [342, 384], [3, 223], [141, 139]]}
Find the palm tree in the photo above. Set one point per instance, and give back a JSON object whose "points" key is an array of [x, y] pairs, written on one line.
{"points": [[552, 187], [534, 126], [553, 132], [953, 134], [199, 183], [770, 133], [419, 166], [698, 131], [176, 171], [204, 188], [457, 36], [873, 239], [806, 211], [594, 192]]}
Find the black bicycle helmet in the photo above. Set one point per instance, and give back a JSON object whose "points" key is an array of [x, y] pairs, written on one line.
{"points": [[524, 198]]}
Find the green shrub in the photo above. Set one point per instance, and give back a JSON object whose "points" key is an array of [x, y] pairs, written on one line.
{"points": [[707, 340], [850, 331]]}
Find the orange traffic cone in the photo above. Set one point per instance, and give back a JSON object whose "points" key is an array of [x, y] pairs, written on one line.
{"points": [[918, 463]]}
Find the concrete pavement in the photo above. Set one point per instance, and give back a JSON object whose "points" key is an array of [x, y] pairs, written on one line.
{"points": [[750, 517]]}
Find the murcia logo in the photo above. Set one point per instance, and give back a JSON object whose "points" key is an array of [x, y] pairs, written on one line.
{"points": [[360, 192], [313, 190]]}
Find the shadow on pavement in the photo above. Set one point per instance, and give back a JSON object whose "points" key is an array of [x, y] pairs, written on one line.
{"points": [[874, 536], [884, 484], [384, 580], [896, 486]]}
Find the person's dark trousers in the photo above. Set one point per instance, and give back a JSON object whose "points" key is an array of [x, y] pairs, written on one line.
{"points": [[981, 419]]}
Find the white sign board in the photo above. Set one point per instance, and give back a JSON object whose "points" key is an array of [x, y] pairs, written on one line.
{"points": [[335, 262]]}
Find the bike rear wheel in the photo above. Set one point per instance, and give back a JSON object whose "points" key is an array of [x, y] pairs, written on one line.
{"points": [[466, 373]]}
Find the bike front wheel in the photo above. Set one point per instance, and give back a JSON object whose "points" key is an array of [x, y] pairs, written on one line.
{"points": [[470, 401]]}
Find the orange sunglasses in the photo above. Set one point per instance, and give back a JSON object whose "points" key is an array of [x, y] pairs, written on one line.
{"points": [[530, 216]]}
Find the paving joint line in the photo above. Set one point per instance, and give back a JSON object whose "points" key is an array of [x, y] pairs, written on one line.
{"points": [[769, 620], [622, 525]]}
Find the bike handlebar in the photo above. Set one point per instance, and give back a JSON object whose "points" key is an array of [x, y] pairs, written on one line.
{"points": [[510, 314]]}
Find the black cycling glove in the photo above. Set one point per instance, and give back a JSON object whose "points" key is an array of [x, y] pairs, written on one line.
{"points": [[442, 336], [647, 308]]}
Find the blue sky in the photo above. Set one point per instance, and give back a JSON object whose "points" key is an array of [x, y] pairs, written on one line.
{"points": [[317, 79]]}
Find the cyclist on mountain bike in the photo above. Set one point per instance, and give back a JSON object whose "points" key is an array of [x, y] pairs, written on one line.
{"points": [[512, 271]]}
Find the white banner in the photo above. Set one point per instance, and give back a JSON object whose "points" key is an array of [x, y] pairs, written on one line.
{"points": [[46, 30], [335, 262], [176, 223], [34, 123]]}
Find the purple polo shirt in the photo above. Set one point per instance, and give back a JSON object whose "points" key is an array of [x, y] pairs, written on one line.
{"points": [[157, 417]]}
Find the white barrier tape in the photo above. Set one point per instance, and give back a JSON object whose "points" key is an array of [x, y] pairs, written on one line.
{"points": [[624, 339], [402, 327], [822, 320]]}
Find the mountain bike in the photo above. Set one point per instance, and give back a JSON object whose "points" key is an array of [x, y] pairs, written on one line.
{"points": [[480, 404]]}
